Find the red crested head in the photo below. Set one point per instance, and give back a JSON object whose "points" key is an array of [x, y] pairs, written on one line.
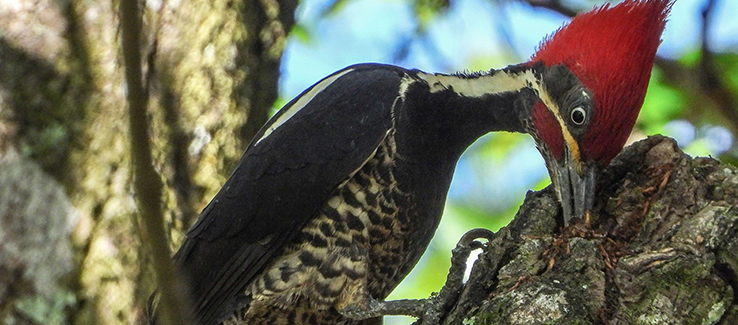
{"points": [[611, 51]]}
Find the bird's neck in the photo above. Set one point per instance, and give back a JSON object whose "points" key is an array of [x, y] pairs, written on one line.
{"points": [[444, 114]]}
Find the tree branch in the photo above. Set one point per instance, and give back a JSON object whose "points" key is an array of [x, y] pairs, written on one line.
{"points": [[147, 182], [709, 77], [554, 5]]}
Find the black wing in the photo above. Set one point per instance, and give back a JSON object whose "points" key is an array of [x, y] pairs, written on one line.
{"points": [[283, 179]]}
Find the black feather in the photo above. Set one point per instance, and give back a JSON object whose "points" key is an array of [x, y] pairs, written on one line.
{"points": [[282, 182]]}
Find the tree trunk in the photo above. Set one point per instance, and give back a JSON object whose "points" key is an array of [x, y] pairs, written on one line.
{"points": [[662, 249], [70, 250]]}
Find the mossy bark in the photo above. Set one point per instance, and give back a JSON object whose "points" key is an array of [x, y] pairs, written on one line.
{"points": [[662, 248], [211, 69]]}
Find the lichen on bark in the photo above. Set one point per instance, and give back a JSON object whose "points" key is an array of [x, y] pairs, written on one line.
{"points": [[211, 71], [661, 249]]}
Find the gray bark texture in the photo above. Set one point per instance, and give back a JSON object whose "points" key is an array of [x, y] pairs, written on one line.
{"points": [[662, 248]]}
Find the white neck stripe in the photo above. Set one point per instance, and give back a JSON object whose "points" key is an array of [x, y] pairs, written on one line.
{"points": [[499, 82]]}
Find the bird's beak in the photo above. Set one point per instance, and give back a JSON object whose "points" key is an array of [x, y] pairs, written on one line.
{"points": [[574, 181]]}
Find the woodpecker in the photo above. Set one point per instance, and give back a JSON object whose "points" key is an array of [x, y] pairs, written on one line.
{"points": [[338, 195]]}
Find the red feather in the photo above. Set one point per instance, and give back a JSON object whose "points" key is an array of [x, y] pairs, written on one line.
{"points": [[611, 50]]}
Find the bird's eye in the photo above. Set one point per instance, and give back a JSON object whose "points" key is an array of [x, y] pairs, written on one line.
{"points": [[578, 115]]}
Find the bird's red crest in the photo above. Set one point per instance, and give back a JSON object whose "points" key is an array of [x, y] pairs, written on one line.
{"points": [[611, 50]]}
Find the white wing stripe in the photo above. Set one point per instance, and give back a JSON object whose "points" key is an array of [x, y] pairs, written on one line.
{"points": [[302, 102]]}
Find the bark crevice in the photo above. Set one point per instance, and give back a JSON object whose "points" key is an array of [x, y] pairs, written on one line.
{"points": [[660, 249]]}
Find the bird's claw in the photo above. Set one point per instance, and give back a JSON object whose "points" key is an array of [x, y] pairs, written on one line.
{"points": [[438, 305], [468, 242]]}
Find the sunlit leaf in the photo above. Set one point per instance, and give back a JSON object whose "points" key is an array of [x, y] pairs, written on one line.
{"points": [[301, 33], [427, 10]]}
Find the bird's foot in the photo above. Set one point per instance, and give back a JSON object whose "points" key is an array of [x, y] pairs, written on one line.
{"points": [[428, 311], [438, 305]]}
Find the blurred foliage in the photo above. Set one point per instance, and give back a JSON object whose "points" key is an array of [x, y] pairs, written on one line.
{"points": [[301, 34], [427, 10], [661, 105], [728, 63]]}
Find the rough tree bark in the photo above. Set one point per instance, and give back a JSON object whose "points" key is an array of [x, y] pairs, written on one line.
{"points": [[69, 245], [662, 249]]}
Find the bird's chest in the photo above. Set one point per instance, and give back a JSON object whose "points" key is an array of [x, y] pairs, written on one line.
{"points": [[366, 238], [370, 228]]}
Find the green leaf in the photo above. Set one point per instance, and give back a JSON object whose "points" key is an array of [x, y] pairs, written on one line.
{"points": [[427, 10], [301, 33]]}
